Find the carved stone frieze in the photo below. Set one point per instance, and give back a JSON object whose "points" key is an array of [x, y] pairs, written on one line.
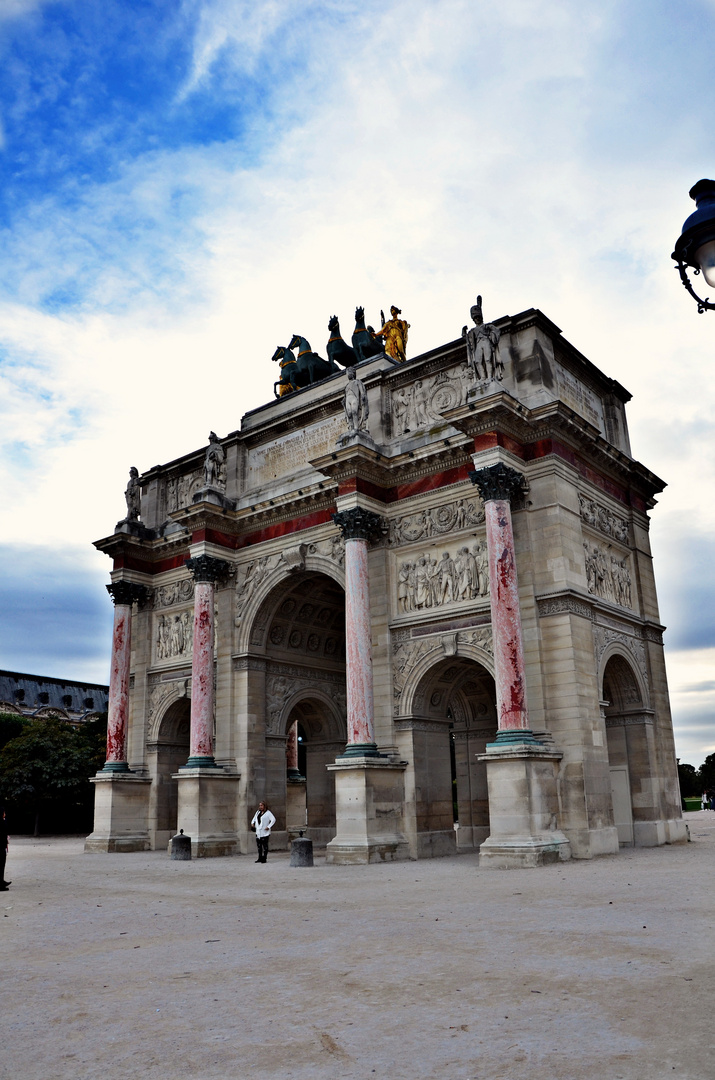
{"points": [[174, 635], [176, 593], [558, 605], [426, 582], [180, 490], [437, 521], [608, 576], [629, 721], [601, 518], [420, 724], [422, 403]]}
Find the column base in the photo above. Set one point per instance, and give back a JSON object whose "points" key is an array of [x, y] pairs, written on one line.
{"points": [[523, 806], [121, 813], [200, 763], [360, 750], [369, 801], [115, 767], [208, 809]]}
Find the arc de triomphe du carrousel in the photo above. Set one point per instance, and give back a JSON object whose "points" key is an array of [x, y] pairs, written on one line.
{"points": [[409, 603]]}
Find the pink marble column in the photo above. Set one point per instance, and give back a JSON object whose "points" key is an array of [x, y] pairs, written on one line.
{"points": [[293, 772], [206, 572], [358, 526], [123, 594], [497, 484]]}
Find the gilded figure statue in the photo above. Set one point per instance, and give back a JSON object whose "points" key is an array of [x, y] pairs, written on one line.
{"points": [[394, 332]]}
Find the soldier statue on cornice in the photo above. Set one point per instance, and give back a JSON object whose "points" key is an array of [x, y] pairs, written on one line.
{"points": [[483, 346]]}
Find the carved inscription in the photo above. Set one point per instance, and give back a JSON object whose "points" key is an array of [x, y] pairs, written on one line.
{"points": [[427, 582], [295, 451], [423, 402], [579, 398], [437, 521], [608, 576], [601, 518]]}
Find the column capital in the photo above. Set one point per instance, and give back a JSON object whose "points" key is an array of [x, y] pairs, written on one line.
{"points": [[359, 524], [127, 592], [206, 568], [497, 482]]}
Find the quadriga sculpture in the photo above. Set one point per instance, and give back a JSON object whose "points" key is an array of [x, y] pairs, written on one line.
{"points": [[337, 350], [364, 342], [302, 371]]}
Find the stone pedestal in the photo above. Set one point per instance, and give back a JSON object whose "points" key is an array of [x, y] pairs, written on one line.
{"points": [[295, 804], [523, 807], [121, 813], [369, 799], [207, 810]]}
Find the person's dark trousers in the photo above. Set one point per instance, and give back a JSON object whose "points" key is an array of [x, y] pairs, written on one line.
{"points": [[262, 845], [3, 856]]}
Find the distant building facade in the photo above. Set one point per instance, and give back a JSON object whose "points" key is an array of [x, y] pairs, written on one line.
{"points": [[437, 576], [38, 696]]}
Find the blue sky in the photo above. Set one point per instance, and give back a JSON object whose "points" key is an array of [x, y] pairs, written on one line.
{"points": [[184, 184]]}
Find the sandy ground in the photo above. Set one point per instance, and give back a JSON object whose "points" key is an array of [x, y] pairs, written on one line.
{"points": [[119, 966]]}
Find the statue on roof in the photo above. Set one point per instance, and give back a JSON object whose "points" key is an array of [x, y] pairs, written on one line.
{"points": [[394, 332], [214, 463], [132, 495], [483, 346], [355, 404]]}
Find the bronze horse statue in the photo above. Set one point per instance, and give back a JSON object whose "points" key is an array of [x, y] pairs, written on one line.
{"points": [[364, 343], [302, 371], [337, 349]]}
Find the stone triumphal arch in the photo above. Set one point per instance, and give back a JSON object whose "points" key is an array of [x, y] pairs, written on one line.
{"points": [[410, 605]]}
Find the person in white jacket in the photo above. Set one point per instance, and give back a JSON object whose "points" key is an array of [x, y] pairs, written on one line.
{"points": [[263, 821]]}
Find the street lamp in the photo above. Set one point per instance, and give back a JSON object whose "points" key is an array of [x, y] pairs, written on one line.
{"points": [[696, 244]]}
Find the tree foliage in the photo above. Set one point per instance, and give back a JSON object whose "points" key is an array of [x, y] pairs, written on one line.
{"points": [[689, 780], [49, 764]]}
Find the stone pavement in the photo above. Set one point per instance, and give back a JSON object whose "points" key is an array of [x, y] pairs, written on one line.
{"points": [[118, 966]]}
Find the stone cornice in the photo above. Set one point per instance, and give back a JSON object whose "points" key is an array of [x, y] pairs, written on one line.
{"points": [[568, 601]]}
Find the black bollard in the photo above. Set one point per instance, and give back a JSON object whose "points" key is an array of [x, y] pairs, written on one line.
{"points": [[181, 846], [301, 851]]}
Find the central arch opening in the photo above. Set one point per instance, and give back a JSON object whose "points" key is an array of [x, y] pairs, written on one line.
{"points": [[304, 641], [454, 717]]}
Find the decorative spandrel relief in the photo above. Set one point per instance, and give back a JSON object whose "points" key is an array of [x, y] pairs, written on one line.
{"points": [[436, 521], [180, 490], [427, 582], [601, 518], [252, 574], [178, 592], [280, 687], [174, 635], [407, 653], [422, 402], [603, 636], [608, 576]]}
